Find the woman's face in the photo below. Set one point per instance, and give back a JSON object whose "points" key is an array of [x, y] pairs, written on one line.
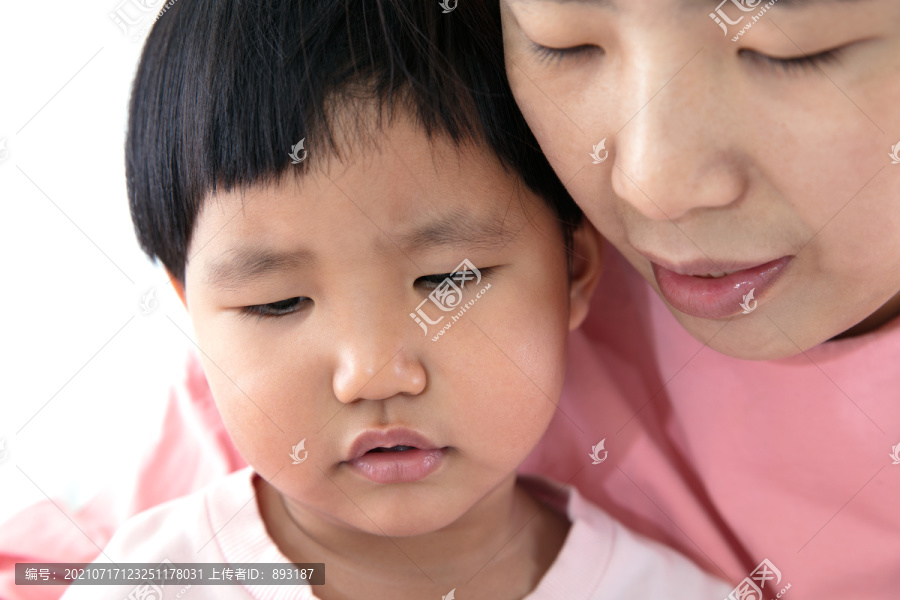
{"points": [[739, 156]]}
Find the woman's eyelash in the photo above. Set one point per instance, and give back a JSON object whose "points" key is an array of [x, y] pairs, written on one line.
{"points": [[545, 54], [795, 64], [274, 309]]}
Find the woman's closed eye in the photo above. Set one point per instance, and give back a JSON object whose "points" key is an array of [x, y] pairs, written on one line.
{"points": [[547, 54], [793, 64]]}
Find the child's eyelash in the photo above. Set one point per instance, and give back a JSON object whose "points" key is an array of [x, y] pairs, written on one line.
{"points": [[435, 280], [795, 64], [274, 309], [291, 305]]}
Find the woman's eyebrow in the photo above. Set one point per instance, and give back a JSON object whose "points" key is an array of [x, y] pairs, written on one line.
{"points": [[594, 2], [807, 3], [693, 3]]}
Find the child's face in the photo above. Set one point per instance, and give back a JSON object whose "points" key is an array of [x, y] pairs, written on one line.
{"points": [[355, 241], [723, 159]]}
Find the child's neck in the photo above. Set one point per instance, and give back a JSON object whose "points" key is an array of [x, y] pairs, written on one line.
{"points": [[499, 549]]}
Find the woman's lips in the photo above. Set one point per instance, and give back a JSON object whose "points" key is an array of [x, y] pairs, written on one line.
{"points": [[394, 456], [709, 298]]}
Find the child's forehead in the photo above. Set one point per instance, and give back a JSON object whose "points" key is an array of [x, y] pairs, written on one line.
{"points": [[410, 217], [406, 195], [393, 186]]}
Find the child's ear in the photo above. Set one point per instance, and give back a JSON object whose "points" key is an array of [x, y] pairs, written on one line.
{"points": [[178, 287], [587, 264]]}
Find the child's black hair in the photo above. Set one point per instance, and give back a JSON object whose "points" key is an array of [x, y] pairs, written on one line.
{"points": [[225, 88]]}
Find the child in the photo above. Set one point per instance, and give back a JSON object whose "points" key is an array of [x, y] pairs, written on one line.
{"points": [[387, 454], [747, 183]]}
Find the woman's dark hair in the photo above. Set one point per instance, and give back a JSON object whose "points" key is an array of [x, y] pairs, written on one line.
{"points": [[224, 89]]}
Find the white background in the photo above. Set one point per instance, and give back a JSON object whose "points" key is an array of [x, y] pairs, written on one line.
{"points": [[85, 373]]}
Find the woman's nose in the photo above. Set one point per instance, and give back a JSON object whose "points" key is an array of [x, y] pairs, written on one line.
{"points": [[679, 149]]}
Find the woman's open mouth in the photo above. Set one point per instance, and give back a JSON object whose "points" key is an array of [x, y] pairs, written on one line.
{"points": [[721, 294]]}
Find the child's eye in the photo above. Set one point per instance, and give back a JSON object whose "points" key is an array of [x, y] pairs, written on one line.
{"points": [[793, 64], [432, 281], [275, 309], [545, 54]]}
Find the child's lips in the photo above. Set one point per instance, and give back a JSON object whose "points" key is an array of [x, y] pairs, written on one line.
{"points": [[689, 289], [398, 467], [388, 438], [394, 456]]}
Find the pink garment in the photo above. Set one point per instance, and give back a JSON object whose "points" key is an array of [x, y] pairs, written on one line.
{"points": [[600, 559], [735, 461], [193, 450]]}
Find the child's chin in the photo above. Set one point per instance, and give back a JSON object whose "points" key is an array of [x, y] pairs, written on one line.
{"points": [[406, 521], [405, 530]]}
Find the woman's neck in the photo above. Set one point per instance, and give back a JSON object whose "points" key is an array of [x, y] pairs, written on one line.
{"points": [[499, 549], [888, 312]]}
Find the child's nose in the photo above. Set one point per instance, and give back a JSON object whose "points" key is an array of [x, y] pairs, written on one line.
{"points": [[373, 363]]}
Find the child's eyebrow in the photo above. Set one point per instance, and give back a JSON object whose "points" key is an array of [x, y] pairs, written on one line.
{"points": [[247, 264], [455, 229]]}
